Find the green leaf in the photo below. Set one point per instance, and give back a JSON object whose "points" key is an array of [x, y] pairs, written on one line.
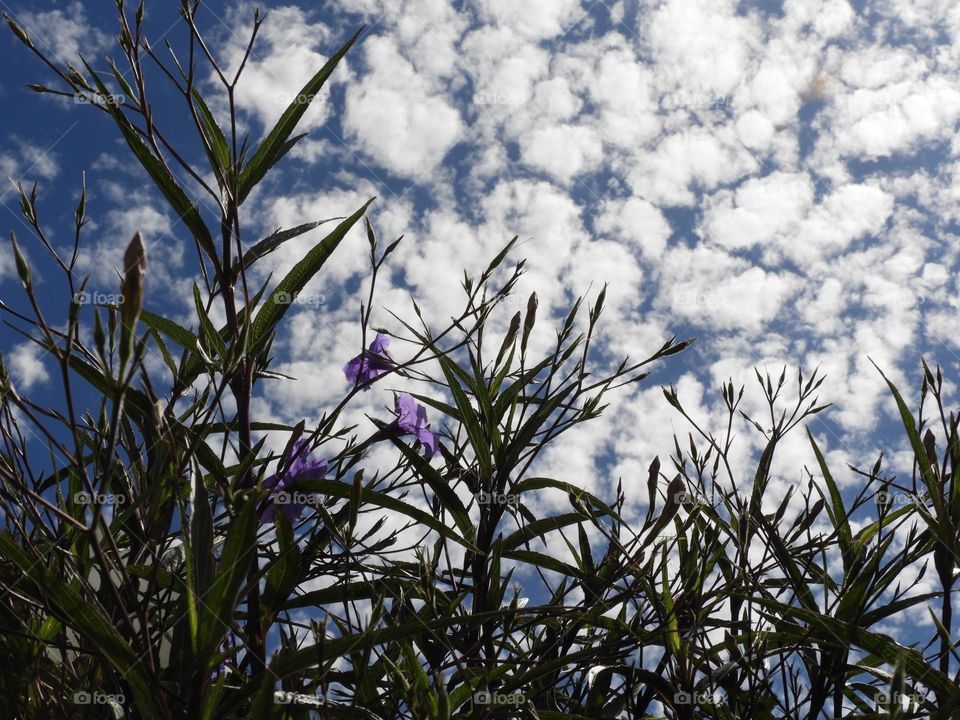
{"points": [[355, 590], [836, 512], [449, 499], [82, 615], [171, 190], [787, 561], [275, 144], [183, 337], [539, 483], [284, 570], [23, 268], [213, 340], [200, 558], [910, 425], [344, 491], [272, 242], [214, 137], [672, 627], [831, 630], [239, 551], [546, 562], [308, 657], [276, 305], [540, 528]]}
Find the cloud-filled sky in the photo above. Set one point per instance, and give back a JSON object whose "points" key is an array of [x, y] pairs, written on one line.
{"points": [[778, 179]]}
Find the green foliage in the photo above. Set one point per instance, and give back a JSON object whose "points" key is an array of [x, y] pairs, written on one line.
{"points": [[182, 602]]}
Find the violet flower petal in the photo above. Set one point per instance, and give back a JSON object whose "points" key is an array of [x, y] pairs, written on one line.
{"points": [[367, 366]]}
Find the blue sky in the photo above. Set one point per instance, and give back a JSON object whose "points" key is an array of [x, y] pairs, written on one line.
{"points": [[778, 179]]}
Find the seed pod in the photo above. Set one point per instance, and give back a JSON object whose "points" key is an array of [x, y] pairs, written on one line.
{"points": [[930, 447], [654, 475], [131, 294], [676, 494], [134, 269], [529, 320], [514, 327], [23, 270], [18, 31], [511, 336]]}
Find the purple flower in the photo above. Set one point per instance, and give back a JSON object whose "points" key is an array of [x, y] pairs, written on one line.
{"points": [[371, 363], [226, 646], [412, 420], [299, 466]]}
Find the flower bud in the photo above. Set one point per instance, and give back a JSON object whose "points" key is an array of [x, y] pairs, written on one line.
{"points": [[135, 269]]}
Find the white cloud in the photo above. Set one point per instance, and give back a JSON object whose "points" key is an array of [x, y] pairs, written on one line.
{"points": [[693, 159], [828, 18], [25, 365], [701, 46], [7, 264], [101, 255], [502, 67], [847, 214], [755, 130], [427, 30], [622, 87], [747, 129], [889, 109], [535, 19], [713, 289], [637, 223], [582, 151], [64, 33], [396, 116], [26, 162], [759, 210], [290, 49], [595, 262]]}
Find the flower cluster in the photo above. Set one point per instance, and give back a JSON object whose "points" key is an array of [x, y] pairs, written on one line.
{"points": [[411, 416], [298, 464]]}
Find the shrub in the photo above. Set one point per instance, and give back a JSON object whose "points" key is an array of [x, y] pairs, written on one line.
{"points": [[157, 561]]}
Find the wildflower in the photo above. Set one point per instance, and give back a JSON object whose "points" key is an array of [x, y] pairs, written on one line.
{"points": [[371, 363], [412, 420], [299, 466], [225, 647]]}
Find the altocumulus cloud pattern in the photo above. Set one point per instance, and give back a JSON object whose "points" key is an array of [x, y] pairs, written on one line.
{"points": [[777, 178]]}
